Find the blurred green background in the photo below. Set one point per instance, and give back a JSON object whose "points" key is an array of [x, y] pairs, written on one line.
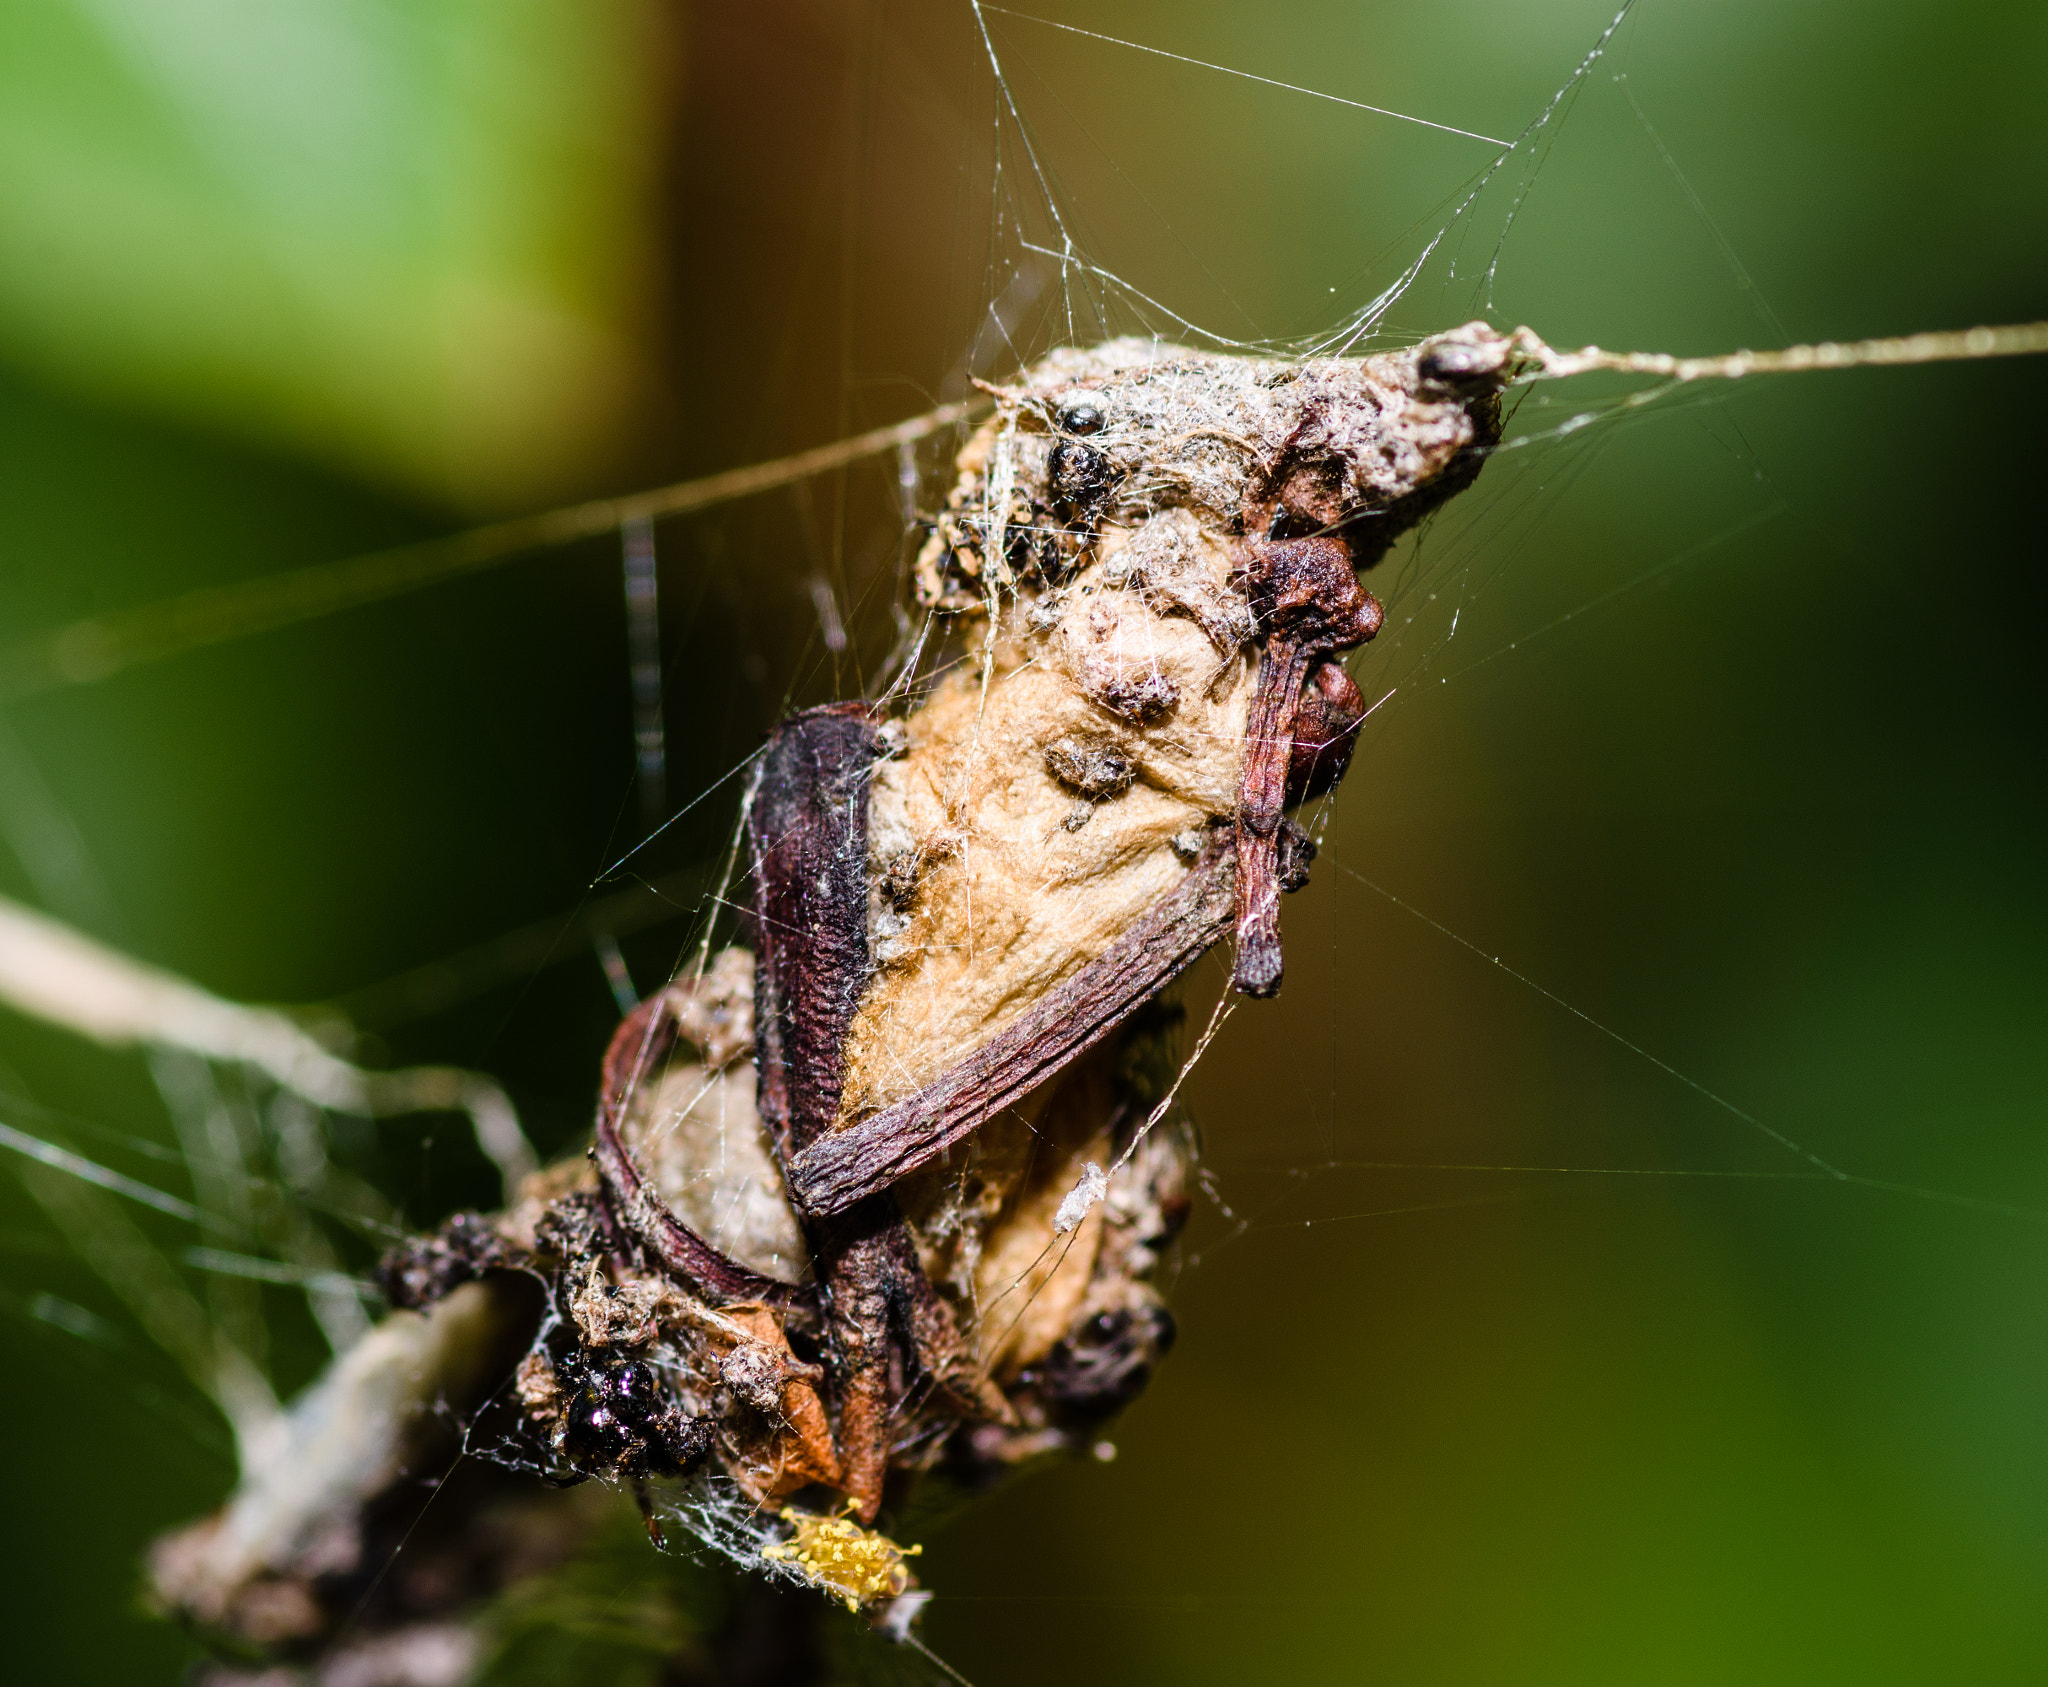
{"points": [[1722, 723]]}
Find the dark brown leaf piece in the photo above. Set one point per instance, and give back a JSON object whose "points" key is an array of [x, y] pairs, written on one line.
{"points": [[844, 1166], [808, 830]]}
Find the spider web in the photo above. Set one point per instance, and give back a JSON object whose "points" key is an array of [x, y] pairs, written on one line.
{"points": [[1535, 1044]]}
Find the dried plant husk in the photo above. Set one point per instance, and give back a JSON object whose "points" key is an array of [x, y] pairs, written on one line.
{"points": [[1099, 567]]}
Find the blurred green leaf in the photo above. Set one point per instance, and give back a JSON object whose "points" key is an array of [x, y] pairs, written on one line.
{"points": [[404, 236]]}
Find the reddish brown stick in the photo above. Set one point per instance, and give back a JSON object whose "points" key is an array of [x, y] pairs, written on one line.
{"points": [[1308, 602]]}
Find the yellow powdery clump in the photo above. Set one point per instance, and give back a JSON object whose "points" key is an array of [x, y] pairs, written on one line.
{"points": [[837, 1555]]}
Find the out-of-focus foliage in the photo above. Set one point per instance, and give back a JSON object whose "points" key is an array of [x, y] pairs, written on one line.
{"points": [[407, 237]]}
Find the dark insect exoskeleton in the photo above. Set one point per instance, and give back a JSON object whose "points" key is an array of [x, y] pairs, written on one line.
{"points": [[1101, 1368], [424, 1269], [619, 1420], [1047, 554], [1081, 480]]}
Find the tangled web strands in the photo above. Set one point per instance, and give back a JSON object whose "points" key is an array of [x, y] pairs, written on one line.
{"points": [[95, 648]]}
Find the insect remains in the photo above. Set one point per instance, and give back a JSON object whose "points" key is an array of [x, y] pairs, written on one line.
{"points": [[844, 1223]]}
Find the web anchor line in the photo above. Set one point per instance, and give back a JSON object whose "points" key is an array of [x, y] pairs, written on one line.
{"points": [[1963, 345], [100, 646], [1824, 1170], [1248, 76]]}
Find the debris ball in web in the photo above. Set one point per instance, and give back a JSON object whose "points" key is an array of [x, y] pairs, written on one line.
{"points": [[1146, 570]]}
